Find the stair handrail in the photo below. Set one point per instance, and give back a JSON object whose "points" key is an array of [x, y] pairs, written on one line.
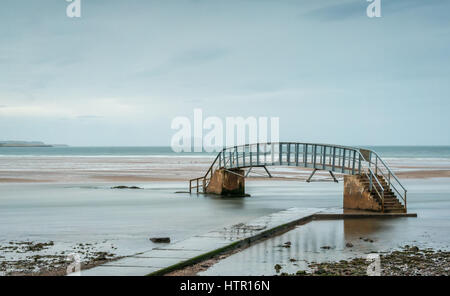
{"points": [[388, 177], [204, 178]]}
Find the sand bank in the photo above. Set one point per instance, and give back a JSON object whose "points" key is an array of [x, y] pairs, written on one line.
{"points": [[157, 169]]}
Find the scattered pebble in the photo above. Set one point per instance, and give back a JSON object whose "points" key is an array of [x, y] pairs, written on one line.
{"points": [[409, 261], [40, 258]]}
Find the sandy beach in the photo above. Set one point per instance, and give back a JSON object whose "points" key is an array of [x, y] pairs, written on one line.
{"points": [[160, 169]]}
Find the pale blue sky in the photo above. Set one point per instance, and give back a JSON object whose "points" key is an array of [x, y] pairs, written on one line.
{"points": [[122, 72]]}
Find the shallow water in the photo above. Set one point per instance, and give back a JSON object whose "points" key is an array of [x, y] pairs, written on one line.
{"points": [[69, 214], [126, 219], [429, 198]]}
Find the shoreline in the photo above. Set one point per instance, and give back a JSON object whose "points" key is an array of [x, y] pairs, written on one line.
{"points": [[407, 261], [47, 258], [160, 168], [120, 177]]}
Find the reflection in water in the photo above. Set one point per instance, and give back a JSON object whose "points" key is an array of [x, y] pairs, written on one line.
{"points": [[368, 226], [306, 245], [325, 241]]}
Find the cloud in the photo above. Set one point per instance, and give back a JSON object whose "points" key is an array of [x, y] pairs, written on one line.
{"points": [[105, 107], [189, 58], [199, 55], [135, 65], [89, 116], [337, 12]]}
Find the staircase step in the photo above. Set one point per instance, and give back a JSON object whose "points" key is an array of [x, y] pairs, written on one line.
{"points": [[391, 202]]}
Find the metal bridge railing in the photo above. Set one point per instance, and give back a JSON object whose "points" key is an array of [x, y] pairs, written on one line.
{"points": [[335, 158]]}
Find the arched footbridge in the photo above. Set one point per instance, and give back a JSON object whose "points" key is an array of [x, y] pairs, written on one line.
{"points": [[369, 182]]}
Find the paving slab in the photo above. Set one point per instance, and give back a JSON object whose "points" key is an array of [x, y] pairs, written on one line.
{"points": [[171, 253], [117, 271], [144, 262]]}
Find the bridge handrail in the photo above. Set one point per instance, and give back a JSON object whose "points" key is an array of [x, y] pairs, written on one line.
{"points": [[370, 173], [224, 160]]}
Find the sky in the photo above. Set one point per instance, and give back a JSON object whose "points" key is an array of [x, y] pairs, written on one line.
{"points": [[122, 72]]}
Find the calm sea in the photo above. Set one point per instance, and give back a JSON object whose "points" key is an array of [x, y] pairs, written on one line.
{"points": [[384, 151]]}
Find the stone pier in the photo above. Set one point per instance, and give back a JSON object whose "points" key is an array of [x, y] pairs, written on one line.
{"points": [[227, 183], [357, 197]]}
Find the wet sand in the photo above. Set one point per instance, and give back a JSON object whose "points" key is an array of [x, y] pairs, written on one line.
{"points": [[158, 169], [424, 174], [47, 259], [408, 261]]}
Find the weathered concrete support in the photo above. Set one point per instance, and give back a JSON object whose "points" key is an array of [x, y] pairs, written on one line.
{"points": [[357, 196], [227, 183]]}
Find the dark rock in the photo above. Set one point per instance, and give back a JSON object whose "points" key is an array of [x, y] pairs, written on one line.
{"points": [[349, 245], [326, 247], [125, 187], [277, 267], [160, 240]]}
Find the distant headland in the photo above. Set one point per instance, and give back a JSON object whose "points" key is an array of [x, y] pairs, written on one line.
{"points": [[28, 144]]}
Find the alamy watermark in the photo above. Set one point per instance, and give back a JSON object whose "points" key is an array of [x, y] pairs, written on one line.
{"points": [[374, 8], [212, 134], [74, 268], [74, 8], [374, 268]]}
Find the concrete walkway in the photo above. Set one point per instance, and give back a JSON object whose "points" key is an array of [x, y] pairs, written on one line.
{"points": [[198, 248], [201, 247]]}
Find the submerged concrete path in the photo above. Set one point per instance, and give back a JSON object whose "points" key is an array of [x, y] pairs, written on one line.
{"points": [[172, 256]]}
